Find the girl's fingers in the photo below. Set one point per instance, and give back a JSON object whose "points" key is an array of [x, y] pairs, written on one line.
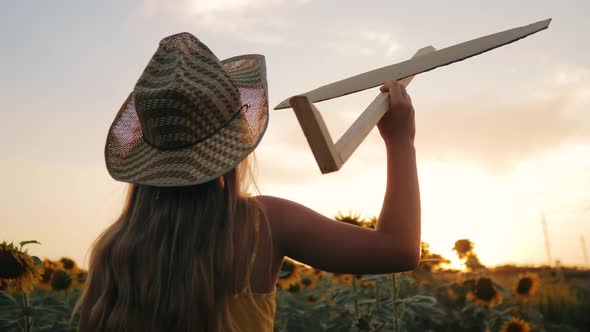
{"points": [[405, 93], [395, 93], [387, 86]]}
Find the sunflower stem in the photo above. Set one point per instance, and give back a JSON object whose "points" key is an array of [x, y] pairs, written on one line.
{"points": [[355, 301], [67, 296], [377, 299], [524, 308], [27, 316], [394, 297]]}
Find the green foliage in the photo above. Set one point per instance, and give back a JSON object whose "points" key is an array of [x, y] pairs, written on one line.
{"points": [[49, 311], [432, 299], [565, 304], [426, 299]]}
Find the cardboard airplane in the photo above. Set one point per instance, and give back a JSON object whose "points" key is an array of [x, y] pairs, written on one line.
{"points": [[331, 156]]}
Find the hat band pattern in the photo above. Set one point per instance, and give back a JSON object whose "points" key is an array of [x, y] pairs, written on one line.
{"points": [[177, 137]]}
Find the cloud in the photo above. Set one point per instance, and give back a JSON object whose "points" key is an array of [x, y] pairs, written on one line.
{"points": [[214, 6], [499, 135], [568, 75], [383, 41], [363, 43], [191, 8], [257, 21]]}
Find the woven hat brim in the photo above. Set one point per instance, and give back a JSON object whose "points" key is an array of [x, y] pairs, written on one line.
{"points": [[129, 158]]}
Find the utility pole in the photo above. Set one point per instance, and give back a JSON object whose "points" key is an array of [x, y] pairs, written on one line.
{"points": [[547, 247], [584, 250]]}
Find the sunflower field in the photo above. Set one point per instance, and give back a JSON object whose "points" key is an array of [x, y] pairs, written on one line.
{"points": [[39, 295]]}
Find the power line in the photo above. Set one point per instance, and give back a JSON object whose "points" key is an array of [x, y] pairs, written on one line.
{"points": [[547, 246], [584, 250]]}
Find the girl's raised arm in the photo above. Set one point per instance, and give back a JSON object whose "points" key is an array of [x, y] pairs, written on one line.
{"points": [[394, 246]]}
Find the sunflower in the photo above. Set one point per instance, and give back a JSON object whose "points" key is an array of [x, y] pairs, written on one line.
{"points": [[342, 279], [484, 292], [351, 218], [452, 295], [527, 284], [469, 283], [366, 283], [515, 325], [61, 280], [463, 247], [81, 277], [371, 223], [294, 288], [320, 275], [69, 265], [312, 299], [19, 271], [363, 282], [5, 287], [289, 274], [49, 267], [309, 277], [308, 282]]}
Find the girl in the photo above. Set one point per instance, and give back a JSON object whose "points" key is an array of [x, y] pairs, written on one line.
{"points": [[191, 251]]}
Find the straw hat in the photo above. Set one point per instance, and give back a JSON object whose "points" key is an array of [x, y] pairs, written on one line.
{"points": [[190, 118]]}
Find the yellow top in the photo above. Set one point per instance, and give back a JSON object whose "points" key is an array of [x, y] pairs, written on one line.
{"points": [[256, 314]]}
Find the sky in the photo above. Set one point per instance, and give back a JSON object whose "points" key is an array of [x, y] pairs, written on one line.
{"points": [[502, 138]]}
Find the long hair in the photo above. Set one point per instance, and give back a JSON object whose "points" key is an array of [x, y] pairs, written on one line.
{"points": [[173, 258]]}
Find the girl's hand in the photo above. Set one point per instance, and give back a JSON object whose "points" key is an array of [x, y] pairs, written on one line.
{"points": [[397, 125]]}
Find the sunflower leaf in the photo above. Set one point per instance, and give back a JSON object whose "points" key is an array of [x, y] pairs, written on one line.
{"points": [[11, 324], [7, 314], [41, 310], [37, 260], [23, 243], [418, 299], [6, 299]]}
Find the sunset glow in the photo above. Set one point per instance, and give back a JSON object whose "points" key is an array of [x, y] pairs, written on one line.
{"points": [[501, 138]]}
